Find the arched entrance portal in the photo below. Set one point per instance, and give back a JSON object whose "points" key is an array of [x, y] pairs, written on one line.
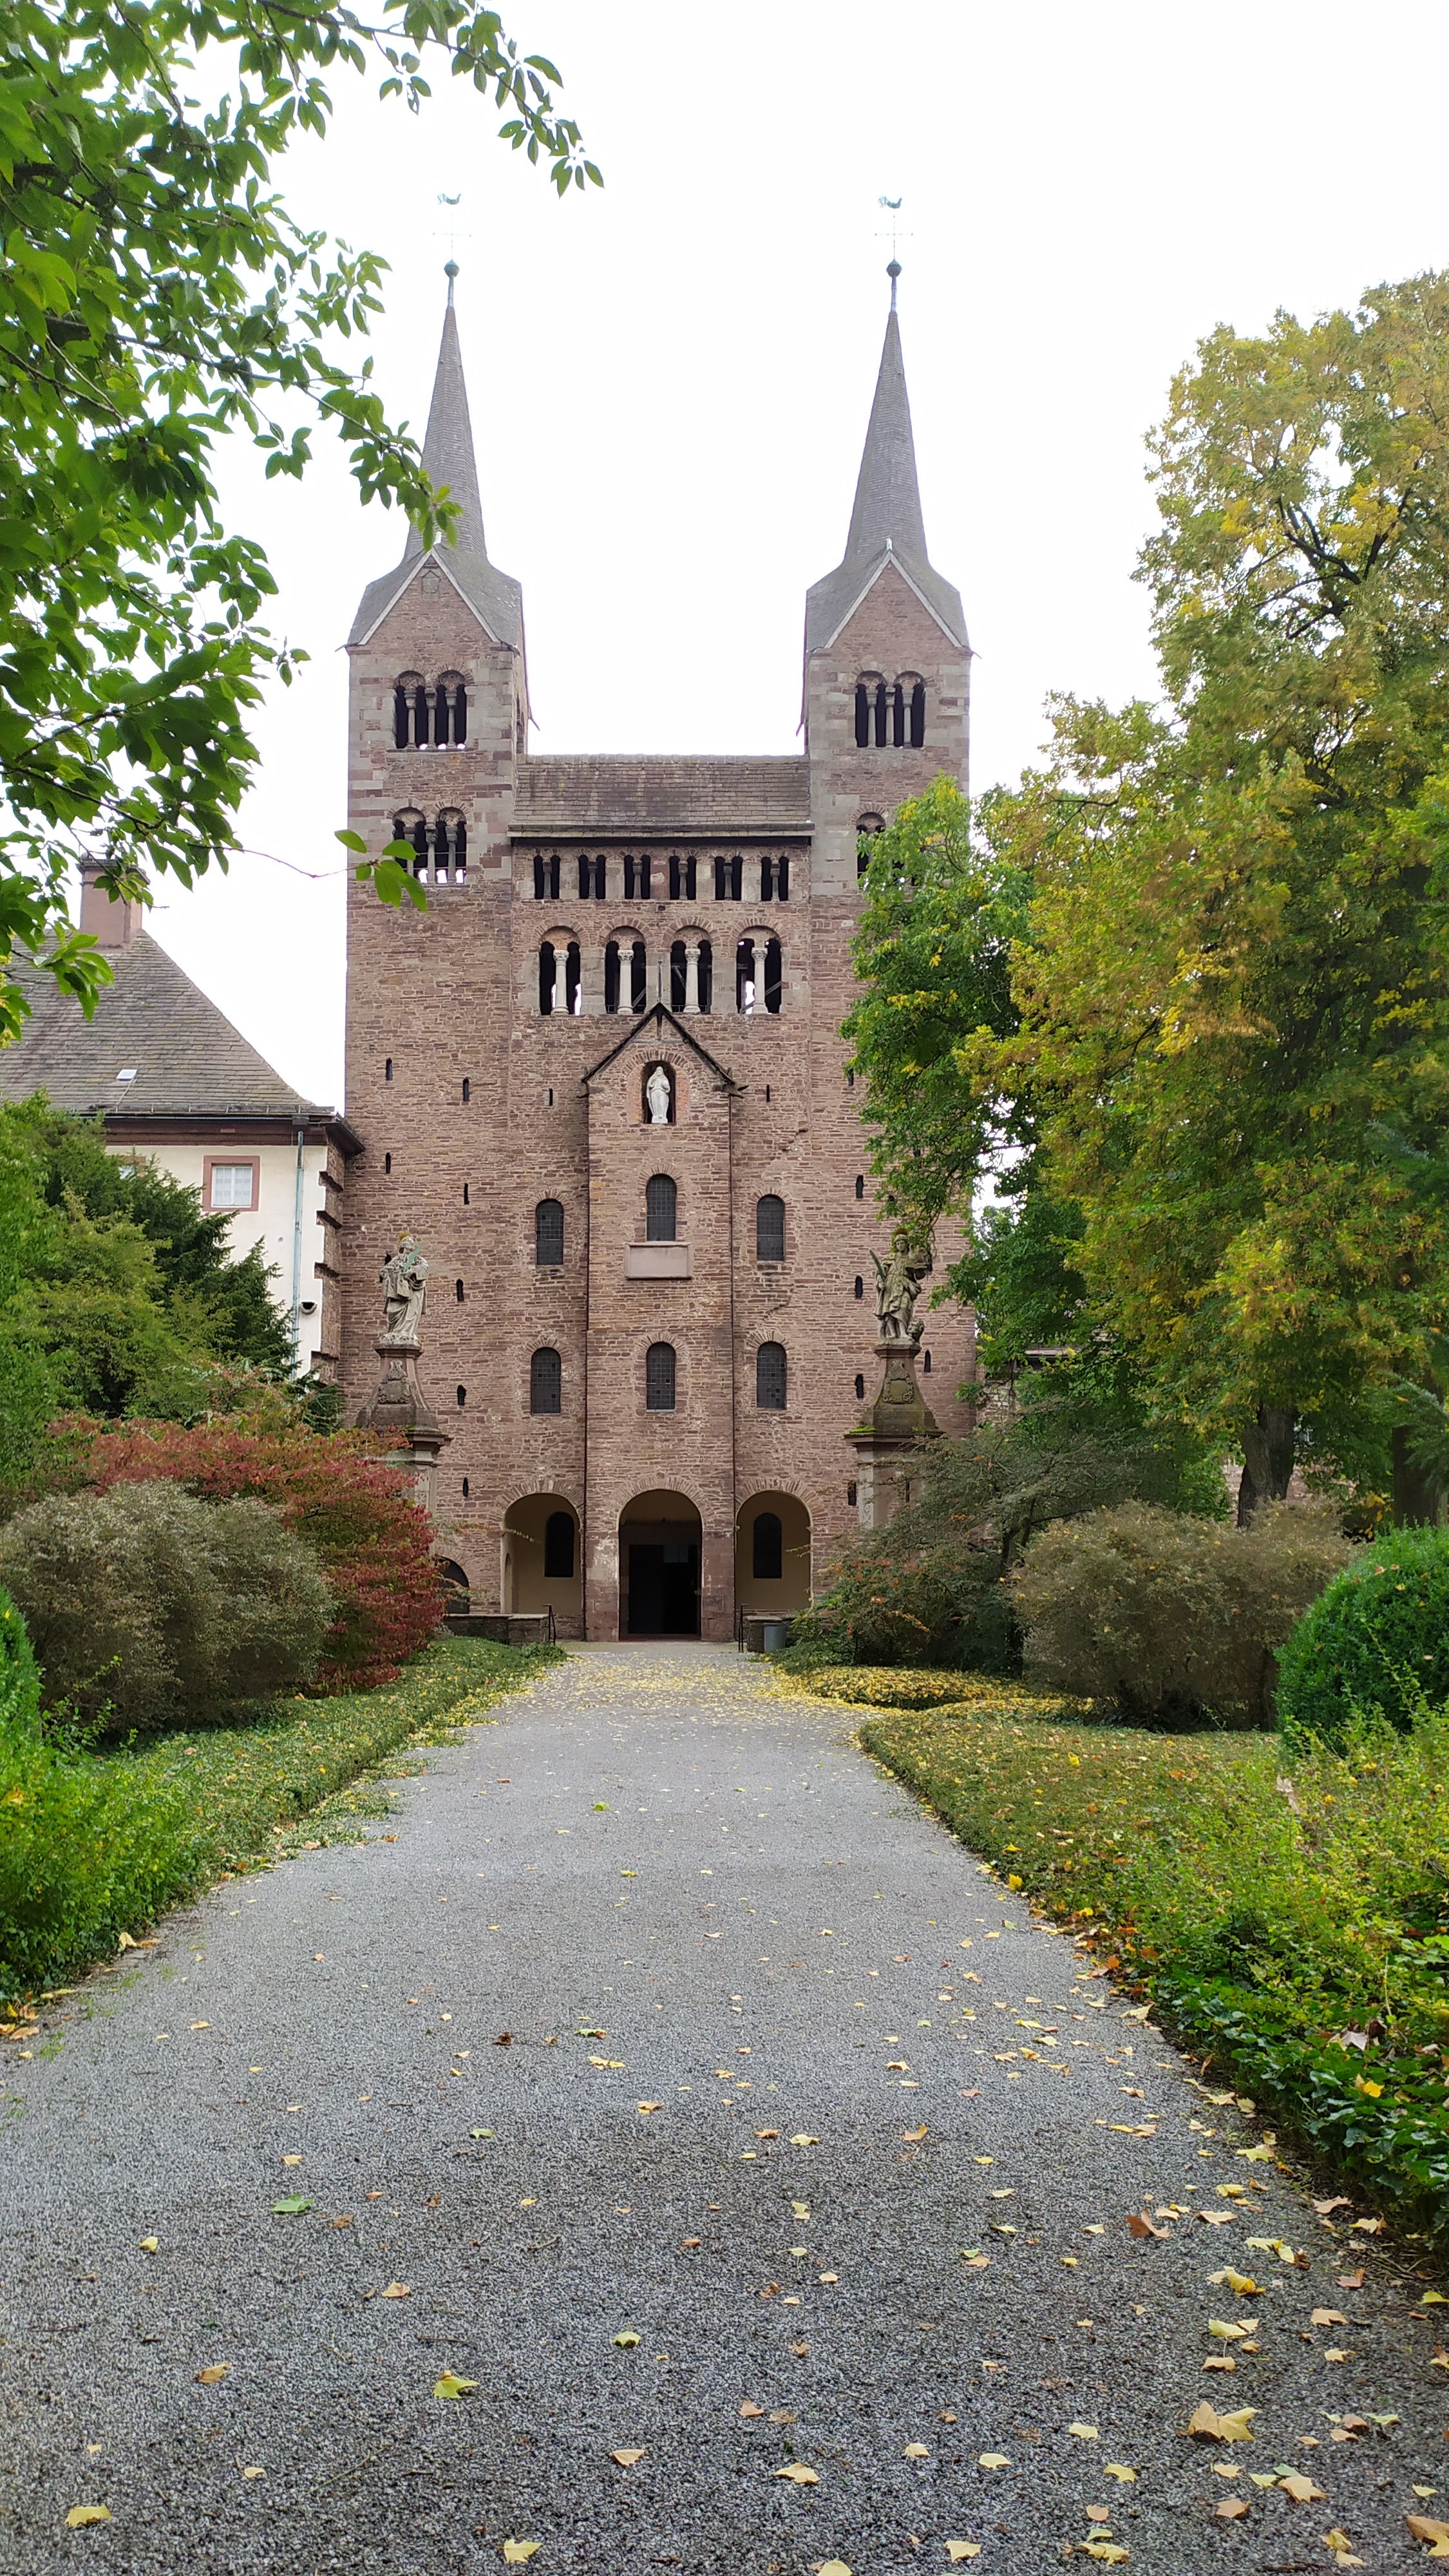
{"points": [[772, 1554], [659, 1542], [542, 1563]]}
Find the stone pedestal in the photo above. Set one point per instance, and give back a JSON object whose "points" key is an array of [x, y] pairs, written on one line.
{"points": [[401, 1420], [888, 1443]]}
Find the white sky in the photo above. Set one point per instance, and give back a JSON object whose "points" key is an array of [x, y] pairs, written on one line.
{"points": [[670, 379]]}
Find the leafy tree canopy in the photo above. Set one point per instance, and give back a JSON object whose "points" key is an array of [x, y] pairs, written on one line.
{"points": [[1233, 1040], [117, 1295], [155, 298]]}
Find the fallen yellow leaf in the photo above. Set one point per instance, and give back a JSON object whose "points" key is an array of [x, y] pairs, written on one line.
{"points": [[1119, 2469], [214, 2371], [1424, 2527], [450, 2385], [1213, 2427], [1327, 2317], [1301, 2489], [750, 2408], [1084, 2432], [80, 2514], [150, 2245], [1107, 2550], [993, 2460], [291, 2160], [802, 2138], [627, 2340], [833, 2567], [643, 2108], [1232, 2508], [398, 2290], [798, 2475], [1242, 2284], [626, 2459], [956, 2550], [1225, 2332], [915, 2451], [255, 2471], [515, 2552]]}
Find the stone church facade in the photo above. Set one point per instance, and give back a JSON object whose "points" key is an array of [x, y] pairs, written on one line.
{"points": [[601, 1078]]}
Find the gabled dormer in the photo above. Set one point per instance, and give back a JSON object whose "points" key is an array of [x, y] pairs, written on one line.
{"points": [[887, 659]]}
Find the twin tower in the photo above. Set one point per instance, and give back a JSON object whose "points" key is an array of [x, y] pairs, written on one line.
{"points": [[601, 1077]]}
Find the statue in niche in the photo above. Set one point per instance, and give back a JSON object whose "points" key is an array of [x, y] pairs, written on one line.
{"points": [[659, 1096], [899, 1281], [404, 1277]]}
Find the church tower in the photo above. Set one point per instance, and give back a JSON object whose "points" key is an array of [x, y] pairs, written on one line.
{"points": [[601, 1078]]}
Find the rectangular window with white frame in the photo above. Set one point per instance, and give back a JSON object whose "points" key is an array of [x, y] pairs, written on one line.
{"points": [[230, 1186]]}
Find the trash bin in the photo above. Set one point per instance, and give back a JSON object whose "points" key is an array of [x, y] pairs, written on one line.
{"points": [[775, 1634]]}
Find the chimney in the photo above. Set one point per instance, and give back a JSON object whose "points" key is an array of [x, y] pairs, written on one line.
{"points": [[112, 922]]}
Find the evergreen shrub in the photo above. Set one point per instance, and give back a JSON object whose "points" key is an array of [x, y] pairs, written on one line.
{"points": [[373, 1542], [146, 1607], [1169, 1620], [19, 1678], [1376, 1639]]}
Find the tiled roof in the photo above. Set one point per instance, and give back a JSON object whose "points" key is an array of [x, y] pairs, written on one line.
{"points": [[188, 1060]]}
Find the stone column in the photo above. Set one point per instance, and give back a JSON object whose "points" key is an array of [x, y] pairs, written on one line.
{"points": [[691, 977]]}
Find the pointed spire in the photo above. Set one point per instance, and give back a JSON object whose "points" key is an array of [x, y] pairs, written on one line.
{"points": [[887, 508], [448, 446], [448, 456], [886, 519]]}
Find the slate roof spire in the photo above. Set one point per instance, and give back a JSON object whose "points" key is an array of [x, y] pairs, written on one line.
{"points": [[449, 457], [886, 519]]}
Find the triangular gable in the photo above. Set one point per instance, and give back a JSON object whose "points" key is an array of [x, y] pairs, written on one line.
{"points": [[657, 1019], [872, 577], [397, 583]]}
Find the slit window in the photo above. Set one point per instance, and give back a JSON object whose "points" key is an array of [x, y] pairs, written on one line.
{"points": [[545, 1382], [771, 1377], [745, 976], [706, 976], [387, 1070], [593, 879], [462, 1397], [659, 1377], [775, 879], [547, 977], [729, 880], [638, 977], [770, 1229], [859, 1285], [683, 879], [558, 1548], [859, 1388], [678, 975], [548, 1234], [450, 709], [611, 975], [661, 1209], [862, 715], [573, 980], [636, 877], [545, 878], [918, 715], [387, 1162], [767, 1552], [467, 1091], [774, 975], [458, 1290]]}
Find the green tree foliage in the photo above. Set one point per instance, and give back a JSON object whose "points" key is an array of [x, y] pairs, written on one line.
{"points": [[117, 1296], [155, 298], [1232, 993], [1375, 1645]]}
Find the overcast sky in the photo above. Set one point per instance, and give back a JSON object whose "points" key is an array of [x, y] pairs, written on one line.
{"points": [[670, 379]]}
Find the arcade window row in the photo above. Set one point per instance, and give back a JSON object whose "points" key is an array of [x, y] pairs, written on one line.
{"points": [[890, 715], [758, 970], [661, 1379], [646, 875]]}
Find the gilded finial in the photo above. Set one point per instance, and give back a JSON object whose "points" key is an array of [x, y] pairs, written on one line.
{"points": [[451, 271], [893, 271]]}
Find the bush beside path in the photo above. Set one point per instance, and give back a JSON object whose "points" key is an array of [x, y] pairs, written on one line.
{"points": [[674, 2149]]}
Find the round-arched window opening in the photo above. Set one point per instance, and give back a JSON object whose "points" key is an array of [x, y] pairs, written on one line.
{"points": [[558, 1548], [659, 1377], [454, 1582], [859, 1388], [661, 1209], [657, 1096], [548, 1234], [767, 1553], [770, 1377]]}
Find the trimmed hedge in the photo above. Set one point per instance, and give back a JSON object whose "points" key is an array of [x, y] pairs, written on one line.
{"points": [[1377, 1639]]}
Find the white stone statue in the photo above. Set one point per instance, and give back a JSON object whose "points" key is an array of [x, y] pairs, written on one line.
{"points": [[404, 1277], [658, 1094], [899, 1281]]}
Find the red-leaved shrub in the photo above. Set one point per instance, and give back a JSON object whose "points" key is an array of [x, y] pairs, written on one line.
{"points": [[372, 1539]]}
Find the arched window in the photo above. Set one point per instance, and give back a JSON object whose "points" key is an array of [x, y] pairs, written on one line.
{"points": [[636, 877], [860, 1185], [882, 715], [450, 850], [573, 980], [729, 880], [545, 877], [409, 710], [661, 1209], [659, 1376], [593, 878], [683, 876], [774, 975], [918, 714], [548, 1234], [547, 976], [558, 1548], [859, 1285], [454, 1582], [767, 1553], [409, 826], [771, 1377], [611, 975], [769, 1229], [638, 978], [462, 1397], [545, 1382], [745, 994], [865, 831], [458, 1290], [898, 716], [450, 708], [864, 704], [678, 975], [926, 1363], [859, 1388], [775, 878], [706, 976]]}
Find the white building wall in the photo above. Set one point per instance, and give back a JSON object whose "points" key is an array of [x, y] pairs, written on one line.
{"points": [[271, 1223]]}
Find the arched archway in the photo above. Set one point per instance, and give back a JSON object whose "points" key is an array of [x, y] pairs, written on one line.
{"points": [[659, 1551], [772, 1554], [543, 1561]]}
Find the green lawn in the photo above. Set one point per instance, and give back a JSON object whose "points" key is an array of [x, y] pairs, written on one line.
{"points": [[92, 1846], [1267, 1905]]}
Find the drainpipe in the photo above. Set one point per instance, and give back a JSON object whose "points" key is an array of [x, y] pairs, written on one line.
{"points": [[297, 1260]]}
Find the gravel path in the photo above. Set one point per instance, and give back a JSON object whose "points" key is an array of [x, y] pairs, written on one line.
{"points": [[778, 2052]]}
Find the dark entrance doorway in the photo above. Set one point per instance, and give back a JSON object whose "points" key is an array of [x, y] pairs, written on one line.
{"points": [[664, 1589], [659, 1553]]}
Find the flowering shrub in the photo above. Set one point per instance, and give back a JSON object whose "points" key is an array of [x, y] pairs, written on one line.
{"points": [[358, 1516]]}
